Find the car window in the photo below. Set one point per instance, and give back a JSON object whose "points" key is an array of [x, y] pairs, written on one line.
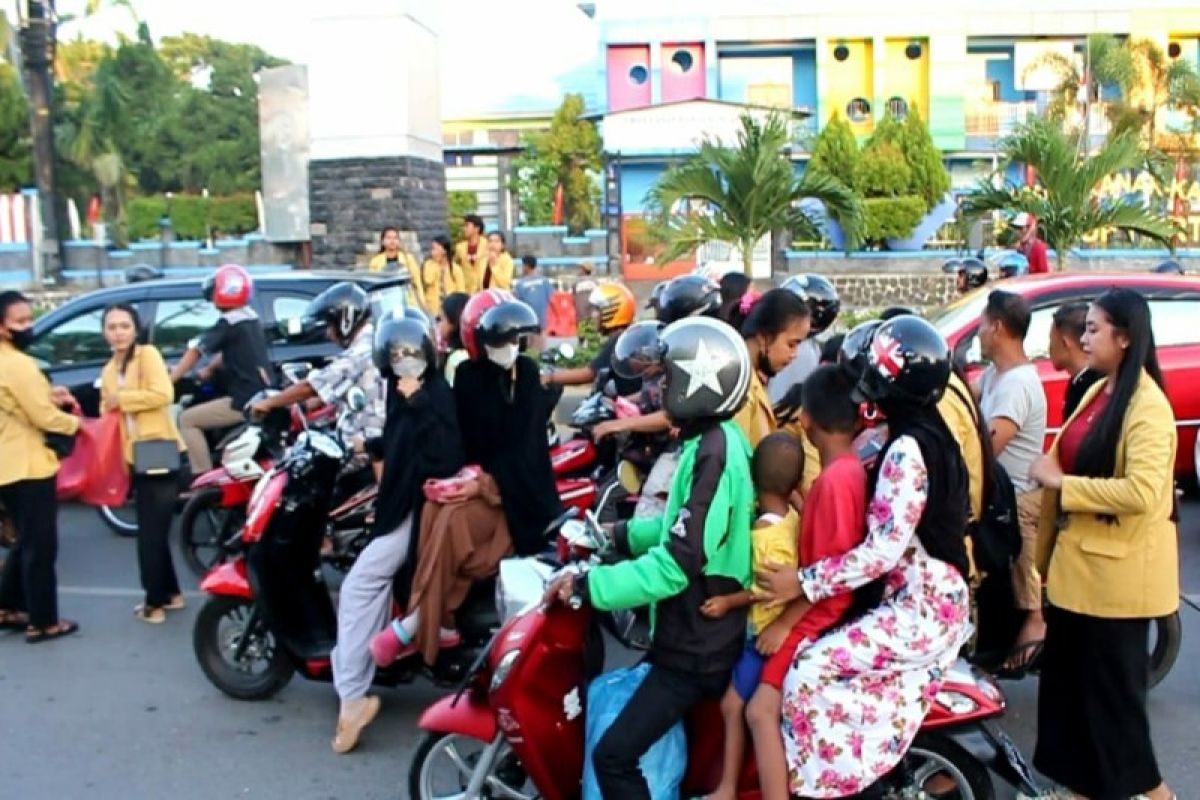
{"points": [[385, 301], [177, 322], [285, 307], [1175, 322], [76, 340], [1037, 339]]}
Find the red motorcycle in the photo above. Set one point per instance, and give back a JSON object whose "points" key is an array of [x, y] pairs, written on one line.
{"points": [[515, 728]]}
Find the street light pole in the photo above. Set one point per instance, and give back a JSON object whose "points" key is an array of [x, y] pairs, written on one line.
{"points": [[37, 54]]}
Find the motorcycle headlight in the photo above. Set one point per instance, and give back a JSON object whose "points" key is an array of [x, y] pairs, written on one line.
{"points": [[956, 702], [503, 668]]}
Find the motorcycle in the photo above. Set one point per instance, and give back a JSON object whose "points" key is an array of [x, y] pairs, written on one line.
{"points": [[515, 728], [270, 614]]}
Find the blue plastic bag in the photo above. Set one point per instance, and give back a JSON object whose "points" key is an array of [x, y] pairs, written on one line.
{"points": [[666, 762]]}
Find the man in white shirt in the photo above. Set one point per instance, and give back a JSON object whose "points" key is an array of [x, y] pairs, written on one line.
{"points": [[1014, 405]]}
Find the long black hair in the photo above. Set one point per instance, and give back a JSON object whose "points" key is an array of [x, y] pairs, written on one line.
{"points": [[447, 247], [137, 329], [452, 308], [383, 235], [1129, 313]]}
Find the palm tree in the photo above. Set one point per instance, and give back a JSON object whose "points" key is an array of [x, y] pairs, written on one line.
{"points": [[750, 191], [1063, 201]]}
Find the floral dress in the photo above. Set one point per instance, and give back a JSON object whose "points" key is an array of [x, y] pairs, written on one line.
{"points": [[853, 700]]}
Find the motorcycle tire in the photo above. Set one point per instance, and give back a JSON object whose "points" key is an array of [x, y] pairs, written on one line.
{"points": [[929, 748], [1168, 639], [211, 647], [204, 528], [507, 769], [121, 520]]}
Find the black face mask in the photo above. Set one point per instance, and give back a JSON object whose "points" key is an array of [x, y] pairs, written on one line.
{"points": [[22, 339]]}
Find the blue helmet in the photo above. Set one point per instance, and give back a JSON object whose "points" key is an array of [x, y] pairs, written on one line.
{"points": [[1012, 265]]}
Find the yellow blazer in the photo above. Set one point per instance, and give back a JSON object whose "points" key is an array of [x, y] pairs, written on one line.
{"points": [[502, 273], [960, 419], [472, 274], [1129, 568], [438, 281], [145, 399], [27, 414]]}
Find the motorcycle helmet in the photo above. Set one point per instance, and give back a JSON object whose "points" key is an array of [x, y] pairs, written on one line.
{"points": [[638, 350], [474, 310], [1169, 267], [506, 324], [689, 296], [655, 294], [615, 303], [229, 287], [972, 273], [908, 361], [342, 307], [1012, 265], [401, 345], [821, 296], [852, 355], [707, 370], [952, 266]]}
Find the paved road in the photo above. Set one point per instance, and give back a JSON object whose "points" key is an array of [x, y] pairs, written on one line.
{"points": [[123, 712]]}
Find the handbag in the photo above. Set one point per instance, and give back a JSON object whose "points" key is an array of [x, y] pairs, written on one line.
{"points": [[155, 457], [61, 444]]}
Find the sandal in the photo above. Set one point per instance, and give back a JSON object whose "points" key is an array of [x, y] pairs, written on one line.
{"points": [[13, 620], [1028, 657], [64, 627], [175, 603], [152, 615]]}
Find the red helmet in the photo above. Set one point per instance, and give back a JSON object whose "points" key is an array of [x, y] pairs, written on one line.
{"points": [[229, 287], [468, 323]]}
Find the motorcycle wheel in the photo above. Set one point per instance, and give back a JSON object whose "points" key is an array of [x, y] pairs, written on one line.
{"points": [[121, 520], [204, 528], [262, 671], [1166, 638], [932, 754], [442, 764]]}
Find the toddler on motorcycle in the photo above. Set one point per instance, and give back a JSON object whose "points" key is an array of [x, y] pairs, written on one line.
{"points": [[699, 549]]}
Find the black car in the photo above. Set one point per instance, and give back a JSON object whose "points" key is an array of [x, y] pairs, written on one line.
{"points": [[70, 345]]}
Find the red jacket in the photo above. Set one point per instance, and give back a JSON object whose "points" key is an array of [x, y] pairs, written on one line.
{"points": [[1035, 252]]}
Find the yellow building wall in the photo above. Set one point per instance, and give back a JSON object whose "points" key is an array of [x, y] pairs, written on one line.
{"points": [[900, 76], [843, 81]]}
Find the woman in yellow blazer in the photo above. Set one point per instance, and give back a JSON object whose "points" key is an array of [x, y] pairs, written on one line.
{"points": [[1108, 546], [497, 272], [470, 254], [440, 276], [392, 257], [136, 384], [29, 409]]}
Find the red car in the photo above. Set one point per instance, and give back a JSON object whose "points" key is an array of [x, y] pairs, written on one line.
{"points": [[1175, 314]]}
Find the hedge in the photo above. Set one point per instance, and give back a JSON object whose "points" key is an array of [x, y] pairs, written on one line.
{"points": [[227, 216], [892, 217]]}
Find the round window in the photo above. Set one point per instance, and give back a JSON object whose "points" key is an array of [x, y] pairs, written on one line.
{"points": [[841, 52], [913, 51], [682, 61], [639, 74], [1174, 49], [858, 110], [897, 107]]}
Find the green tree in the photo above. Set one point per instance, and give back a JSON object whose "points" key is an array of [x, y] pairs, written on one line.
{"points": [[458, 205], [930, 179], [16, 157], [835, 152], [568, 154], [750, 190], [882, 171], [1063, 200]]}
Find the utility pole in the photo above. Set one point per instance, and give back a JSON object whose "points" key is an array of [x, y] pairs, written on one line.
{"points": [[37, 39]]}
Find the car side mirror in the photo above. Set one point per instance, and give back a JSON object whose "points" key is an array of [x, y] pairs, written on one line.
{"points": [[356, 400]]}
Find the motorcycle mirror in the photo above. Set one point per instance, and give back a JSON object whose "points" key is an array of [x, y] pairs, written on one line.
{"points": [[356, 400], [566, 350]]}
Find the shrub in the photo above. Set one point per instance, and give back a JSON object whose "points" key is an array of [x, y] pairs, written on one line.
{"points": [[192, 216], [458, 205], [836, 151], [892, 217], [881, 171], [930, 178]]}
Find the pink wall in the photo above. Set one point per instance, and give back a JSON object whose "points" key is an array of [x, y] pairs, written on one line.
{"points": [[682, 72], [627, 64]]}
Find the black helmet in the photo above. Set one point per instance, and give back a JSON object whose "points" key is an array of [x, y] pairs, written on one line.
{"points": [[707, 370], [638, 349], [852, 355], [908, 361], [688, 296], [506, 323], [821, 296], [952, 266], [973, 274], [342, 306], [1169, 267], [398, 338], [655, 294]]}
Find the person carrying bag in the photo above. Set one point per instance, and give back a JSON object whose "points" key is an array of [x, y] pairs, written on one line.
{"points": [[135, 383]]}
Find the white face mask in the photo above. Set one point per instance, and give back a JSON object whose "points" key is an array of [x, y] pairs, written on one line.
{"points": [[503, 357], [409, 367]]}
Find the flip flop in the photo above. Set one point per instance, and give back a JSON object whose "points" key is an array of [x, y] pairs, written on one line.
{"points": [[1030, 660], [64, 627], [349, 729], [14, 621]]}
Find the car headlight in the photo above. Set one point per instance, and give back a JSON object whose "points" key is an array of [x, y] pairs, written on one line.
{"points": [[503, 668], [956, 702]]}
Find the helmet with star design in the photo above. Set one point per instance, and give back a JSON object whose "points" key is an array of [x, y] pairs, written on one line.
{"points": [[908, 362], [707, 369]]}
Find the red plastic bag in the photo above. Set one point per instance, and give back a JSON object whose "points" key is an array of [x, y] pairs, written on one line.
{"points": [[561, 315], [96, 472]]}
